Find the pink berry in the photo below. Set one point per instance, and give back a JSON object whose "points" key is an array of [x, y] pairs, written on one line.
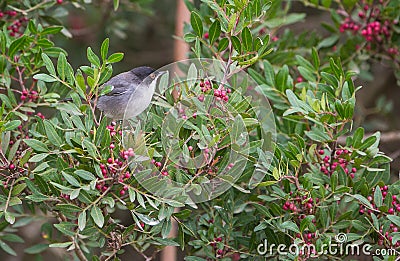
{"points": [[122, 192], [206, 35], [321, 152], [127, 175], [11, 167], [110, 160], [190, 148], [299, 79], [391, 211], [112, 146]]}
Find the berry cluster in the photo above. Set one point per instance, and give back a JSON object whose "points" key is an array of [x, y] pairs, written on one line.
{"points": [[30, 96], [300, 205], [341, 158], [391, 210], [394, 209], [372, 26], [219, 249], [114, 171], [386, 237], [221, 94], [113, 130], [15, 23], [158, 165]]}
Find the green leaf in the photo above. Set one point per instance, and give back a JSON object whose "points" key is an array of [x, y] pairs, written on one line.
{"points": [[305, 222], [132, 194], [68, 208], [166, 242], [189, 37], [318, 135], [104, 47], [97, 216], [395, 219], [328, 42], [378, 199], [44, 77], [197, 24], [215, 31], [306, 73], [36, 249], [62, 245], [52, 30], [17, 189], [115, 57], [62, 66], [37, 197], [363, 200], [49, 64], [116, 4], [86, 175], [290, 226], [236, 44], [11, 125], [36, 145], [82, 220], [52, 134], [71, 180], [247, 39], [357, 137], [17, 45], [9, 217], [7, 248], [92, 57], [223, 44], [315, 57]]}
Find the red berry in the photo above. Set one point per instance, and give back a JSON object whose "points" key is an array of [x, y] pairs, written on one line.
{"points": [[321, 152], [59, 2], [218, 239], [110, 160], [122, 192], [11, 167], [206, 35]]}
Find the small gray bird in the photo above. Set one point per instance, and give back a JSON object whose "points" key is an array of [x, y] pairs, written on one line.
{"points": [[131, 94]]}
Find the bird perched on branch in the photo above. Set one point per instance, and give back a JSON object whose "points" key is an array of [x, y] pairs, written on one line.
{"points": [[131, 93]]}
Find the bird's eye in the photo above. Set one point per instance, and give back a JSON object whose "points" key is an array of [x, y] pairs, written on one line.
{"points": [[152, 76]]}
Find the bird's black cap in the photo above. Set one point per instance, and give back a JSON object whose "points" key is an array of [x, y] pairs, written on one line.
{"points": [[142, 72]]}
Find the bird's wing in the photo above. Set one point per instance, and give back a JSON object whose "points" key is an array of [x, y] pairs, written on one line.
{"points": [[122, 83]]}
